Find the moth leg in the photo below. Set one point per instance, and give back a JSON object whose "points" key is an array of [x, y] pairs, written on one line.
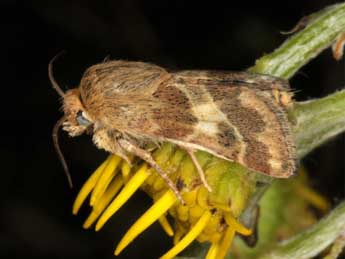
{"points": [[146, 156], [198, 168]]}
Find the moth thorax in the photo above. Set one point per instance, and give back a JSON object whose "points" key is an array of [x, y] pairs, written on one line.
{"points": [[73, 107]]}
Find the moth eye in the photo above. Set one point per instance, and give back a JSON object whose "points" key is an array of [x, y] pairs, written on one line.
{"points": [[82, 120]]}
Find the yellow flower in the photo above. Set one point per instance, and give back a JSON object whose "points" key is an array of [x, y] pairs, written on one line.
{"points": [[205, 217]]}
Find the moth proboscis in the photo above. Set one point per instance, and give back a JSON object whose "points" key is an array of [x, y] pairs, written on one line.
{"points": [[236, 116]]}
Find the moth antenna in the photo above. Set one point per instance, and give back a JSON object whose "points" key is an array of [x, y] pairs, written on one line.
{"points": [[51, 76], [58, 150], [106, 59]]}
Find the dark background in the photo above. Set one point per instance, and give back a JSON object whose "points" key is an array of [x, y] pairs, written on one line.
{"points": [[35, 205]]}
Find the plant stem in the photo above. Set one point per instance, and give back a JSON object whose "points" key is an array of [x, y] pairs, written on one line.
{"points": [[298, 50], [318, 121], [313, 241]]}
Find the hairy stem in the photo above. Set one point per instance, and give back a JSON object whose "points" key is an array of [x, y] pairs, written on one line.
{"points": [[320, 33], [313, 241], [318, 120]]}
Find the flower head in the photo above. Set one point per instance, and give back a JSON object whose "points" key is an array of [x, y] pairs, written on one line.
{"points": [[205, 217]]}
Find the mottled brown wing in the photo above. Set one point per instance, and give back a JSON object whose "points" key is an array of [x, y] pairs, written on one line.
{"points": [[231, 115], [236, 116]]}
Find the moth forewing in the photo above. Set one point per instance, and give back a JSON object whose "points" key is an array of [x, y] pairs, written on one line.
{"points": [[236, 116]]}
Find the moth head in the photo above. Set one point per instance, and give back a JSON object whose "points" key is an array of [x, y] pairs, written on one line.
{"points": [[77, 121]]}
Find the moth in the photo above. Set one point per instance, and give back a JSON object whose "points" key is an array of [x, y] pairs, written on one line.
{"points": [[236, 116]]}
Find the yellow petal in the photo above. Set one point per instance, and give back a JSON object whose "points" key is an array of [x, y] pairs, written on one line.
{"points": [[150, 216], [88, 186], [213, 251], [106, 177], [125, 170], [212, 225], [312, 197], [236, 225], [179, 233], [103, 202], [189, 237], [214, 237], [131, 186], [225, 243], [166, 225]]}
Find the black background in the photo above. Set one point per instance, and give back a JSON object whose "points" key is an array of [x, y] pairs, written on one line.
{"points": [[35, 205]]}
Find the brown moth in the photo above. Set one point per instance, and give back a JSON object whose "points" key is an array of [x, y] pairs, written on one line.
{"points": [[236, 116]]}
